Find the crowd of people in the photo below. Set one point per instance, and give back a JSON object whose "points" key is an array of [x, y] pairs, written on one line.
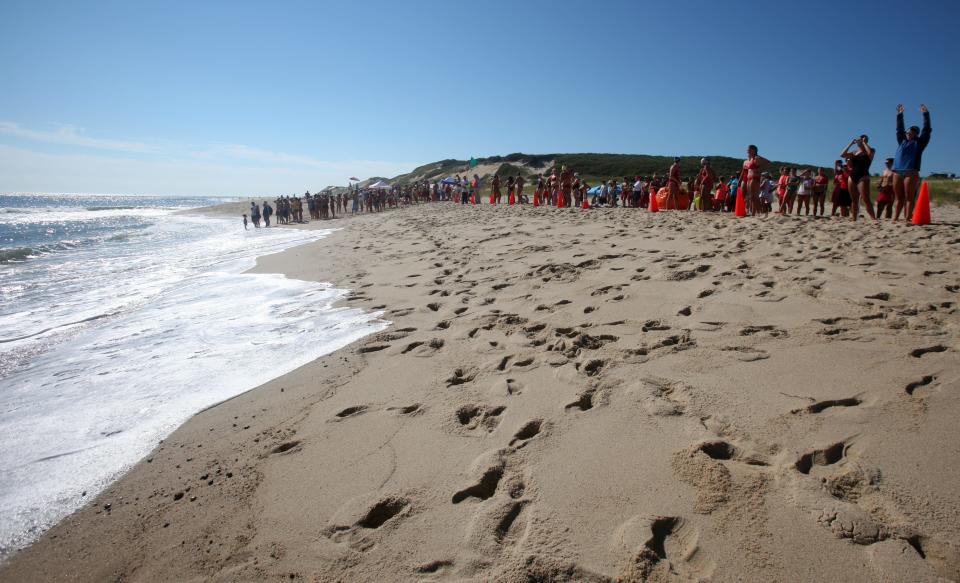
{"points": [[794, 191], [323, 205]]}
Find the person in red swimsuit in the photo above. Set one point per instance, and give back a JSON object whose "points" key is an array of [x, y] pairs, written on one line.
{"points": [[720, 198], [673, 184], [782, 189], [750, 179]]}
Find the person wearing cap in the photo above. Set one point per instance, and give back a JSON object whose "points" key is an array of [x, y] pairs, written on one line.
{"points": [[906, 162], [705, 181], [885, 194]]}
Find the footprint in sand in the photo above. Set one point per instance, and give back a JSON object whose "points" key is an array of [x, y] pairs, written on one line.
{"points": [[585, 401], [485, 487], [360, 522], [919, 352], [462, 376], [410, 410], [746, 354], [349, 412], [471, 417], [659, 548], [529, 430], [923, 385], [821, 406], [821, 457], [288, 447], [372, 348]]}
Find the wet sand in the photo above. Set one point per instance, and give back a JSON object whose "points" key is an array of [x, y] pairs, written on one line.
{"points": [[574, 396]]}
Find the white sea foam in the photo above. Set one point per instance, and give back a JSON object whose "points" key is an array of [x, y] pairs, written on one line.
{"points": [[124, 341]]}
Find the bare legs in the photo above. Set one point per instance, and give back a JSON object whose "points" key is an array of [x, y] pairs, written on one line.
{"points": [[862, 193], [673, 195], [753, 191]]}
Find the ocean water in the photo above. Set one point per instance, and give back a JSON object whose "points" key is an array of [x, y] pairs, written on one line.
{"points": [[118, 321]]}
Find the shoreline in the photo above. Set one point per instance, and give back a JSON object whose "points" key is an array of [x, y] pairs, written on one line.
{"points": [[66, 501], [508, 357]]}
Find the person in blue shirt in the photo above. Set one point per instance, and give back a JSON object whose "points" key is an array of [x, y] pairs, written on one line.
{"points": [[906, 162], [732, 196]]}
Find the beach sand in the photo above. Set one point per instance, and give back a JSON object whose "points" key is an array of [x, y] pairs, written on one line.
{"points": [[574, 396]]}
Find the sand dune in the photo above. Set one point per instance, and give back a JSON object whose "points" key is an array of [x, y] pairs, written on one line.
{"points": [[575, 396]]}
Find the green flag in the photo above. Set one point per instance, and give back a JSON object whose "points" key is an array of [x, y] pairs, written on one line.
{"points": [[473, 162]]}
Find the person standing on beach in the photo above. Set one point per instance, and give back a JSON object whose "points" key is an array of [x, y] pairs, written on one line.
{"points": [[885, 195], [518, 185], [804, 192], [819, 192], [245, 228], [495, 189], [267, 211], [750, 178], [841, 196], [906, 162], [255, 214], [793, 187], [720, 198], [732, 193], [766, 193], [782, 190], [566, 185], [637, 192], [705, 180], [673, 184], [859, 181]]}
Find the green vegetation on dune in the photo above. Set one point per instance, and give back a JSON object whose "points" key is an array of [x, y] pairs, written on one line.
{"points": [[597, 166]]}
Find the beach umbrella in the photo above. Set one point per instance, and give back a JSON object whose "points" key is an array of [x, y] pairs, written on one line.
{"points": [[449, 180]]}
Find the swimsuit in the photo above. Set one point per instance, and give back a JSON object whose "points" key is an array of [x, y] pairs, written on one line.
{"points": [[859, 167], [750, 168]]}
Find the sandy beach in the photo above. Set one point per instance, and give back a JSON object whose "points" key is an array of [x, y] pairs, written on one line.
{"points": [[568, 395]]}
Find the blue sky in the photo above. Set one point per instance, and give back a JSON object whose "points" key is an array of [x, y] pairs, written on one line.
{"points": [[278, 97]]}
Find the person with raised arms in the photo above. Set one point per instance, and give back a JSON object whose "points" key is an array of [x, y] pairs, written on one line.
{"points": [[906, 162], [859, 181]]}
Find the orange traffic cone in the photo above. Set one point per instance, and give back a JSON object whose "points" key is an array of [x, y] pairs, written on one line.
{"points": [[740, 207], [536, 199], [654, 208], [559, 200], [586, 203], [511, 199], [491, 199], [921, 211]]}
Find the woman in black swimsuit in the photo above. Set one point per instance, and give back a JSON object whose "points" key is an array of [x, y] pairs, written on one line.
{"points": [[859, 182]]}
